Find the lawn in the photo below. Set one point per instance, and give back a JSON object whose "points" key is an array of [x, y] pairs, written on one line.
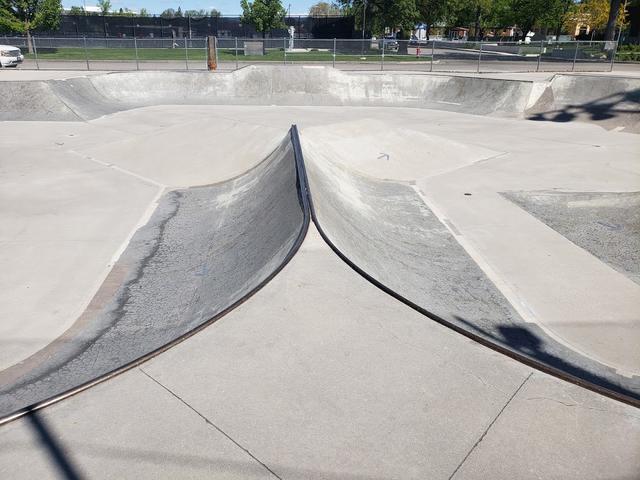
{"points": [[225, 55]]}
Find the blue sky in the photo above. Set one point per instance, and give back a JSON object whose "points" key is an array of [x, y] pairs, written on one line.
{"points": [[227, 7]]}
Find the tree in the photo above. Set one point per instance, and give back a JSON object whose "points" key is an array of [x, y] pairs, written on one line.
{"points": [[323, 9], [528, 14], [74, 10], [378, 15], [105, 6], [168, 13], [195, 13], [431, 12], [179, 12], [264, 15], [143, 12], [594, 13], [26, 16], [614, 13]]}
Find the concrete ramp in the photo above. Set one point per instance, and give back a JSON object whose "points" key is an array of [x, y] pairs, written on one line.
{"points": [[610, 102], [606, 101], [385, 231], [204, 251], [33, 101]]}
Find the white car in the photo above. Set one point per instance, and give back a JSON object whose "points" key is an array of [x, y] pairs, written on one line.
{"points": [[10, 56]]}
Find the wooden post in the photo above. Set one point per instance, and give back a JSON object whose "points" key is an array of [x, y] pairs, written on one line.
{"points": [[212, 53]]}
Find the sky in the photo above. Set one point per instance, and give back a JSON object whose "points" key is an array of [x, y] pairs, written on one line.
{"points": [[226, 7]]}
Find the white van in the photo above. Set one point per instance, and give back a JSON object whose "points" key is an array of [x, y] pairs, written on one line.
{"points": [[10, 56]]}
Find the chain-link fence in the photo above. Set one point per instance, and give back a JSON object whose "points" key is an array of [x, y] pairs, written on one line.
{"points": [[382, 54]]}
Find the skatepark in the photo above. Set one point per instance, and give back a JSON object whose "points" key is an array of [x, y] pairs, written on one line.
{"points": [[302, 272]]}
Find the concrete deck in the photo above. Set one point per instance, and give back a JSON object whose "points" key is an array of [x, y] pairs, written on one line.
{"points": [[321, 375]]}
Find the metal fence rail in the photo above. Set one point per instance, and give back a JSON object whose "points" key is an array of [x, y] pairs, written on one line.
{"points": [[233, 53]]}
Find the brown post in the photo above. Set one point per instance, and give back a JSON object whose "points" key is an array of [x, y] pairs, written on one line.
{"points": [[212, 53]]}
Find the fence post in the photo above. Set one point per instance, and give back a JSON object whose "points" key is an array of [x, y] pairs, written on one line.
{"points": [[212, 53], [480, 56], [575, 55], [135, 46], [540, 55], [382, 61], [433, 53], [35, 52], [86, 54], [186, 52], [334, 53], [236, 52]]}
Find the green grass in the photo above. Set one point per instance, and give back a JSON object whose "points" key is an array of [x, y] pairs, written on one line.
{"points": [[225, 55], [628, 53]]}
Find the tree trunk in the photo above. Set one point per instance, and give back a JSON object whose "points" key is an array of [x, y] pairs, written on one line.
{"points": [[558, 30], [29, 42], [477, 25], [264, 43], [614, 8]]}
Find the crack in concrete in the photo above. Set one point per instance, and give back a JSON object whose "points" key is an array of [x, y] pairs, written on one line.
{"points": [[209, 422], [490, 425], [579, 405]]}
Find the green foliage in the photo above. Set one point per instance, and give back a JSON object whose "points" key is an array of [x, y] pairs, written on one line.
{"points": [[105, 6], [628, 53], [528, 14], [27, 15], [74, 10], [382, 14], [432, 11], [196, 13], [143, 12], [125, 12], [322, 9], [264, 15]]}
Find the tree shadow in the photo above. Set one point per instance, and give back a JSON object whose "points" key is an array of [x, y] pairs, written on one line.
{"points": [[525, 342], [604, 108]]}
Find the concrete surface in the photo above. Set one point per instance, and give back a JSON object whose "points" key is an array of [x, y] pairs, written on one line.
{"points": [[502, 239], [61, 217], [605, 224], [356, 387], [129, 427], [385, 228], [319, 374], [317, 85], [167, 281]]}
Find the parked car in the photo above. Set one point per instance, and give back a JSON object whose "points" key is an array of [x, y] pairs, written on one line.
{"points": [[390, 44], [10, 56]]}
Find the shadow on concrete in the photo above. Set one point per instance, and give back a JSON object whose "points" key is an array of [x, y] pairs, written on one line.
{"points": [[604, 108], [54, 449], [526, 342]]}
